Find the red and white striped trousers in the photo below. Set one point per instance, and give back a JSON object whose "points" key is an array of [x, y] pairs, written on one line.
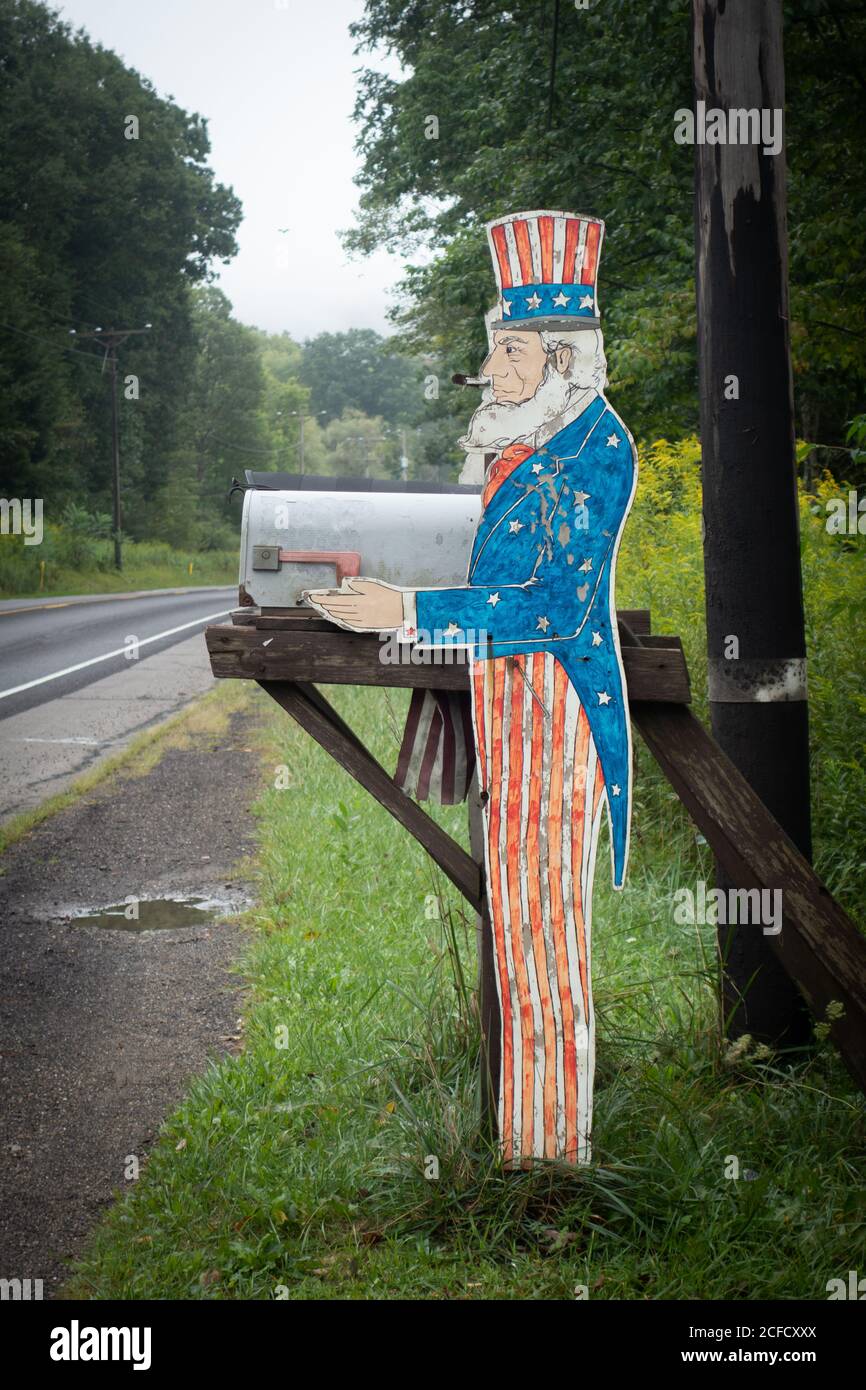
{"points": [[544, 788]]}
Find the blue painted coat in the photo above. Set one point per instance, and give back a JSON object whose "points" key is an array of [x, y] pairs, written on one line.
{"points": [[541, 579]]}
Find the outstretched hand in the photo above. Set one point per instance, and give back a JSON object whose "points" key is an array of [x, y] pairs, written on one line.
{"points": [[361, 604]]}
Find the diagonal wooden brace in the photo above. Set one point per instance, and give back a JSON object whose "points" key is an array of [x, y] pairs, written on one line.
{"points": [[819, 946], [320, 720]]}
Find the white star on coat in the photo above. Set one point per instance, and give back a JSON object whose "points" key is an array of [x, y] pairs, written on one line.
{"points": [[452, 629], [615, 789], [493, 600], [581, 497], [537, 467], [586, 566], [533, 301], [560, 300], [544, 624], [515, 526], [506, 308], [613, 441], [586, 302], [603, 697], [596, 639]]}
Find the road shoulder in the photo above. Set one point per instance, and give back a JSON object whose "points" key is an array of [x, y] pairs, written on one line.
{"points": [[103, 1029], [47, 746]]}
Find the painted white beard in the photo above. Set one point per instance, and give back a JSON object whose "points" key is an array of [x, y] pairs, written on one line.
{"points": [[495, 425]]}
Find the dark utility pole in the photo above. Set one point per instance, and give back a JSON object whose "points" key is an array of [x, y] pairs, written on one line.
{"points": [[755, 632], [112, 340]]}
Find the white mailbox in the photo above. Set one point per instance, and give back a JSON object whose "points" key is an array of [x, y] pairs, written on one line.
{"points": [[307, 538]]}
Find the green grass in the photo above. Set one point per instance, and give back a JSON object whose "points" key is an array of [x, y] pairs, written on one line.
{"points": [[298, 1168], [76, 565]]}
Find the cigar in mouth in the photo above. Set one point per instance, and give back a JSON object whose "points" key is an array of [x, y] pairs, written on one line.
{"points": [[460, 380]]}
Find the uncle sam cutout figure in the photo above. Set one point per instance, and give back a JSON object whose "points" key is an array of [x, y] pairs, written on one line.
{"points": [[549, 709]]}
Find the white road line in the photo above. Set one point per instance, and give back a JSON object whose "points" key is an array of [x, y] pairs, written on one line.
{"points": [[82, 740], [119, 651]]}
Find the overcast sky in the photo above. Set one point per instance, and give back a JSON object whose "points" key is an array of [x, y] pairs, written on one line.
{"points": [[274, 78]]}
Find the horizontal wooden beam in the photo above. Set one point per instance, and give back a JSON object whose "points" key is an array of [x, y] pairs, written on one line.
{"points": [[638, 619], [329, 656]]}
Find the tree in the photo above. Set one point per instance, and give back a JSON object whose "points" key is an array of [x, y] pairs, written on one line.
{"points": [[38, 405], [359, 370], [604, 143], [475, 127], [220, 428], [286, 402], [357, 445], [107, 186]]}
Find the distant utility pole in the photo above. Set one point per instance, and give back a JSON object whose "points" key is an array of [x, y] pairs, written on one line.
{"points": [[367, 441], [755, 630], [112, 339], [302, 418]]}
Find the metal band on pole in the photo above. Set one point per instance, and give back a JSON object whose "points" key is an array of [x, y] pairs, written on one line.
{"points": [[758, 680]]}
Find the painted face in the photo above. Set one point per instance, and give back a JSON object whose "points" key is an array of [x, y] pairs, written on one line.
{"points": [[515, 365]]}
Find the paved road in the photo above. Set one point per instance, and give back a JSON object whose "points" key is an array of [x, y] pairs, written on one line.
{"points": [[70, 693], [55, 646]]}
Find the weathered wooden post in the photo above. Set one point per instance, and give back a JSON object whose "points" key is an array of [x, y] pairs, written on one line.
{"points": [[488, 1001], [755, 630]]}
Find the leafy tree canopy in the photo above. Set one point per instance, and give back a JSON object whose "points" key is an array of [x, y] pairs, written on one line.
{"points": [[359, 370], [595, 134], [108, 215]]}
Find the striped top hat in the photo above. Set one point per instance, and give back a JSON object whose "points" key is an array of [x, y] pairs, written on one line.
{"points": [[546, 264]]}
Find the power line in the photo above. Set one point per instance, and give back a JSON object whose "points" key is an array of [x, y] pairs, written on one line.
{"points": [[60, 347], [107, 315]]}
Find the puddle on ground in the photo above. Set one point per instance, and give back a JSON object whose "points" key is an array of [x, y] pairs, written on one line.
{"points": [[159, 914]]}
